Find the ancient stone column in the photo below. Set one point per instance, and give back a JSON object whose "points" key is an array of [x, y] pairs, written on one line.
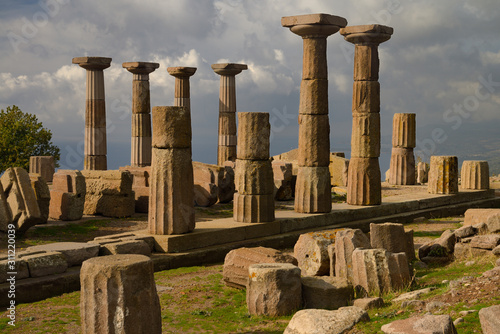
{"points": [[95, 112], [227, 110], [312, 190], [43, 165], [475, 175], [182, 87], [443, 175], [364, 179], [171, 200], [253, 174], [141, 112], [118, 295], [402, 170]]}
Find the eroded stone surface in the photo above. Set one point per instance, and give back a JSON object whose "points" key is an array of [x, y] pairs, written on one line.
{"points": [[328, 293]]}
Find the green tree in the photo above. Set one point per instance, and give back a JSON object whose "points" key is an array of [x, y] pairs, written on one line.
{"points": [[22, 136]]}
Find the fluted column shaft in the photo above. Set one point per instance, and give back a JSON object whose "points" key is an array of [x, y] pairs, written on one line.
{"points": [[402, 168], [140, 153], [227, 110], [475, 175], [313, 188], [364, 180], [95, 112]]}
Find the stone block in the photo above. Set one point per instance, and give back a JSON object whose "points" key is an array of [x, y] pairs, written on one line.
{"points": [[365, 139], [314, 97], [475, 175], [118, 294], [465, 231], [377, 270], [363, 185], [205, 194], [339, 167], [5, 213], [226, 183], [326, 321], [402, 167], [346, 242], [253, 177], [67, 195], [422, 172], [444, 246], [489, 318], [274, 289], [393, 238], [171, 205], [44, 264], [126, 247], [42, 194], [311, 252], [488, 241], [254, 130], [490, 217], [328, 293], [20, 268], [74, 252], [443, 175], [332, 258], [171, 127], [312, 190], [140, 186], [141, 125], [314, 141], [237, 262], [253, 208], [21, 199], [442, 324], [283, 180], [366, 97], [404, 130], [368, 303], [43, 165]]}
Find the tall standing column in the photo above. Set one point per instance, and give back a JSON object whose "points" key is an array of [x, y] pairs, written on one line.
{"points": [[95, 112], [313, 188], [182, 88], [226, 149], [364, 180], [141, 113], [402, 168]]}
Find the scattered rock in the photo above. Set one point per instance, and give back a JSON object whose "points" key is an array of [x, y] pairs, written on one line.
{"points": [[327, 293], [490, 217], [324, 321], [469, 263], [434, 306], [368, 303], [492, 273], [413, 304], [420, 265], [465, 231], [439, 324], [488, 241], [498, 263], [412, 295], [346, 242], [496, 250], [442, 247], [490, 319], [393, 238], [458, 321], [466, 313]]}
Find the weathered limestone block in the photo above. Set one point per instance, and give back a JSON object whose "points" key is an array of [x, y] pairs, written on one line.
{"points": [[368, 303], [171, 127], [325, 321], [312, 190], [226, 184], [253, 177], [311, 252], [21, 269], [366, 96], [444, 246], [487, 241], [125, 247], [140, 186], [475, 175], [118, 295], [109, 193], [44, 264], [328, 293], [490, 319], [365, 139], [339, 167], [21, 199], [254, 131], [237, 261], [171, 209], [490, 217], [283, 180], [42, 194], [364, 187], [422, 172], [43, 165], [205, 194], [274, 289], [465, 231], [253, 208], [205, 178], [402, 167], [404, 132], [67, 197], [442, 324], [314, 140], [74, 252], [443, 175], [377, 270], [314, 97], [393, 238], [346, 241]]}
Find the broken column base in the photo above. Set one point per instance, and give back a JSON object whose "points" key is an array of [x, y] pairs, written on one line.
{"points": [[312, 190], [253, 208], [364, 183], [402, 169]]}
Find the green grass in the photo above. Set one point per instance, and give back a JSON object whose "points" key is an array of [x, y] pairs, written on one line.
{"points": [[338, 198]]}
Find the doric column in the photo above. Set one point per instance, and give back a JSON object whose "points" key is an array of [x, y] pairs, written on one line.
{"points": [[171, 199], [95, 112], [141, 113], [313, 189], [475, 175], [182, 88], [402, 168], [227, 110], [253, 175], [364, 180]]}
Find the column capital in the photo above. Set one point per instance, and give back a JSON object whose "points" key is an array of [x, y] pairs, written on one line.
{"points": [[181, 71], [140, 67], [314, 25], [228, 68], [92, 63], [371, 34]]}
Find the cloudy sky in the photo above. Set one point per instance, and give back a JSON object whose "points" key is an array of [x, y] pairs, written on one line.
{"points": [[442, 63]]}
